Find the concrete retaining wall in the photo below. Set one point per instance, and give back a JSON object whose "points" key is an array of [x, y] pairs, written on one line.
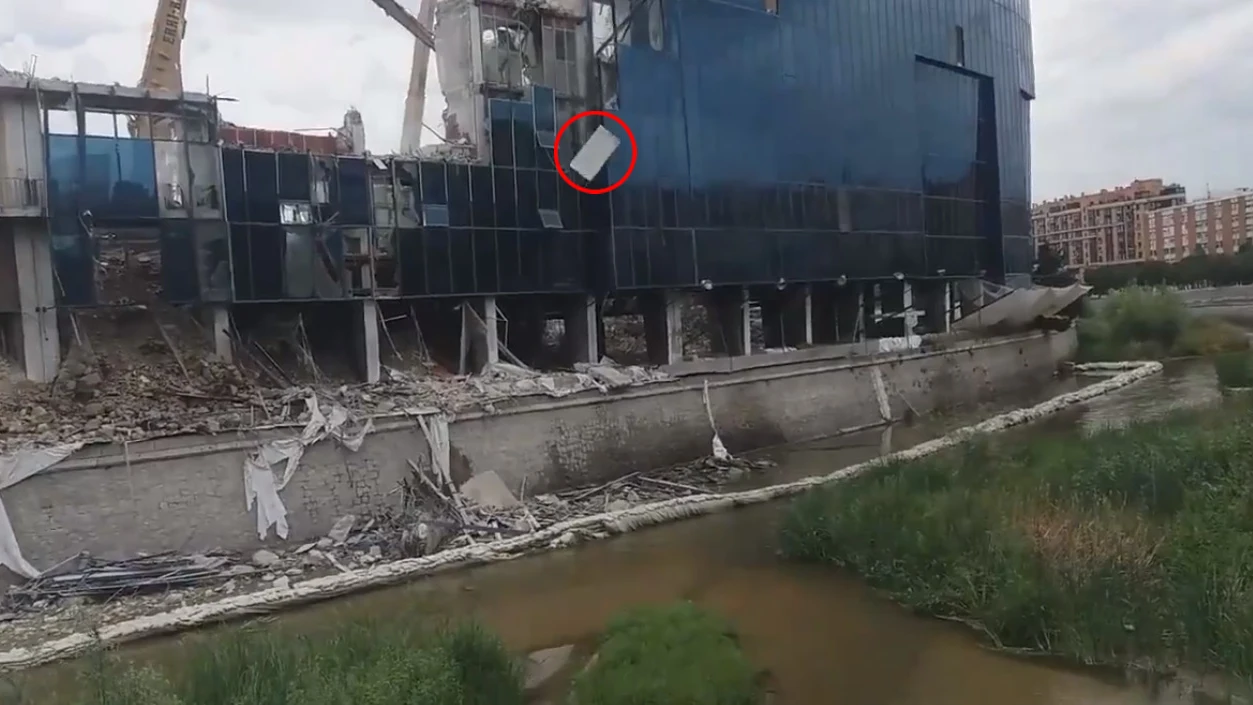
{"points": [[188, 493]]}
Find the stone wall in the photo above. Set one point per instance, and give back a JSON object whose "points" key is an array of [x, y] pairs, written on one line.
{"points": [[187, 494]]}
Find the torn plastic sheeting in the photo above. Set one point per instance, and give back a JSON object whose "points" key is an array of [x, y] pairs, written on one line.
{"points": [[260, 486], [13, 469]]}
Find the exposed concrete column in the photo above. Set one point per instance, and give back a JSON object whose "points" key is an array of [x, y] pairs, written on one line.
{"points": [[40, 342], [217, 319], [365, 340], [482, 333], [787, 318], [583, 336], [907, 303], [728, 309], [663, 326]]}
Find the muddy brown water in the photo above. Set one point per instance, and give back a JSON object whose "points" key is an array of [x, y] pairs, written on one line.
{"points": [[823, 636]]}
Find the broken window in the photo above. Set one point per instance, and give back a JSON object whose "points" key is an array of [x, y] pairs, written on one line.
{"points": [[560, 52], [603, 31], [509, 52], [959, 45], [295, 213]]}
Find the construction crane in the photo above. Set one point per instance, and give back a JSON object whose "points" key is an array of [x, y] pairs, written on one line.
{"points": [[163, 65]]}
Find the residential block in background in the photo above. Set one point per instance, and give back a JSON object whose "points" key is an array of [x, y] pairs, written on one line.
{"points": [[1215, 225], [1107, 227]]}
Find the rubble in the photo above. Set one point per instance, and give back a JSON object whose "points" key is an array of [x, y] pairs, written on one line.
{"points": [[71, 627], [433, 517], [100, 399]]}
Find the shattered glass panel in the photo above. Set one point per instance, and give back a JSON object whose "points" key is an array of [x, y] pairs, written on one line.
{"points": [[296, 213]]}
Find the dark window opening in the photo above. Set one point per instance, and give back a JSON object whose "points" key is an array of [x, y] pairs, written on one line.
{"points": [[772, 6], [959, 45]]}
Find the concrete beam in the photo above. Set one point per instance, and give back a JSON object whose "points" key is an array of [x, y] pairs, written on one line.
{"points": [[663, 326], [583, 334]]}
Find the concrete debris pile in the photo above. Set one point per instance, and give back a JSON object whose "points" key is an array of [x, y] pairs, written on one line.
{"points": [[87, 576], [99, 398]]}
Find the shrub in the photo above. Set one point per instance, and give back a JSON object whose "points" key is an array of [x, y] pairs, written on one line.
{"points": [[1145, 323], [672, 655], [1234, 370]]}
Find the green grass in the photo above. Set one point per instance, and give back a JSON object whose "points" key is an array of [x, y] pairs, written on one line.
{"points": [[670, 655], [1145, 323], [1234, 370], [1132, 546], [361, 664]]}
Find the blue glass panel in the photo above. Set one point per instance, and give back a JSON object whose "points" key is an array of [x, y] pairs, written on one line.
{"points": [[544, 108], [746, 143]]}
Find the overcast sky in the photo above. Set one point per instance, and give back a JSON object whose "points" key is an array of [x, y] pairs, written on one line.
{"points": [[1125, 88]]}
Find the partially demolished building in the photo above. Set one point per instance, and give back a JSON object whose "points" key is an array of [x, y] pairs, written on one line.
{"points": [[830, 161]]}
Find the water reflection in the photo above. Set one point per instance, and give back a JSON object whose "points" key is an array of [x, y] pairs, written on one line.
{"points": [[824, 637]]}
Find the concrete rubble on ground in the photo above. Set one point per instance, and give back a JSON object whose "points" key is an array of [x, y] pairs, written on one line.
{"points": [[73, 629], [433, 517], [86, 404]]}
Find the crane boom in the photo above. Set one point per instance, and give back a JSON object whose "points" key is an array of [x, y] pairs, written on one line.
{"points": [[406, 20], [415, 101], [163, 68]]}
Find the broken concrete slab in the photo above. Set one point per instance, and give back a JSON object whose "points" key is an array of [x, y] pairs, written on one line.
{"points": [[542, 665], [488, 490]]}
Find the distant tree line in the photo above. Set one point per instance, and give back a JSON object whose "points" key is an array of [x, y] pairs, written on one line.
{"points": [[1197, 269]]}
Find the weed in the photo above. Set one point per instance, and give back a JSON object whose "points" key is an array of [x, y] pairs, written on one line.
{"points": [[1132, 545], [670, 655]]}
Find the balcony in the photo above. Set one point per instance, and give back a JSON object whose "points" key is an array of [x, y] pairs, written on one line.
{"points": [[22, 197]]}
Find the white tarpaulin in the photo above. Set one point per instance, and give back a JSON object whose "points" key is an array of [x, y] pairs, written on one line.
{"points": [[13, 469], [260, 485]]}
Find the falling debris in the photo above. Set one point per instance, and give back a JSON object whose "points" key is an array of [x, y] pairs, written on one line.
{"points": [[591, 159]]}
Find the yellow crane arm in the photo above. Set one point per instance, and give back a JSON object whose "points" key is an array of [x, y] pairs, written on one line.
{"points": [[163, 68]]}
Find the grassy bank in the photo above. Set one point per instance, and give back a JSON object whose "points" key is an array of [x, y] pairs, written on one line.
{"points": [[1134, 546], [671, 655], [363, 664], [668, 655], [1140, 323], [1234, 370]]}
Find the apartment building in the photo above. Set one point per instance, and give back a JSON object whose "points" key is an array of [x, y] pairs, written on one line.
{"points": [[1216, 226], [1108, 227]]}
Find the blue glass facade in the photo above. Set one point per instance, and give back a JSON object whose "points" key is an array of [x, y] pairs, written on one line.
{"points": [[794, 140], [808, 139]]}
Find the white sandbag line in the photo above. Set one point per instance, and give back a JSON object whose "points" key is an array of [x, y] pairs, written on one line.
{"points": [[556, 536]]}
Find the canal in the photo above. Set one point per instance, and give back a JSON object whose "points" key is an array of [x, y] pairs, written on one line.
{"points": [[823, 636]]}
